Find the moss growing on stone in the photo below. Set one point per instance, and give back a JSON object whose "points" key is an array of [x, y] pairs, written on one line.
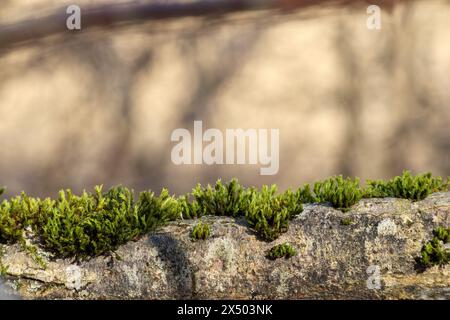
{"points": [[3, 267], [92, 224], [434, 252], [95, 223], [229, 199], [305, 194], [3, 270], [443, 234], [284, 250], [201, 231], [155, 211], [341, 193], [406, 186], [346, 221], [15, 215], [269, 213], [89, 224]]}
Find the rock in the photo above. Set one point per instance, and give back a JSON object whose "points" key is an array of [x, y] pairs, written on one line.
{"points": [[373, 257]]}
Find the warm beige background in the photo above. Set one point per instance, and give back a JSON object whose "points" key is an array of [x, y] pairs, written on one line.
{"points": [[100, 107]]}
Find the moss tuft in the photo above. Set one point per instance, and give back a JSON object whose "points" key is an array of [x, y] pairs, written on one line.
{"points": [[3, 267], [15, 216], [341, 193], [269, 213], [433, 252], [228, 199], [284, 250], [406, 186], [92, 224], [201, 231], [346, 221]]}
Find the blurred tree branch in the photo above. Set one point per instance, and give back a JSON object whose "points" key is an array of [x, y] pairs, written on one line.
{"points": [[131, 12]]}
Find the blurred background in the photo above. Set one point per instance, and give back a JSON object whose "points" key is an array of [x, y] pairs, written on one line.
{"points": [[98, 106]]}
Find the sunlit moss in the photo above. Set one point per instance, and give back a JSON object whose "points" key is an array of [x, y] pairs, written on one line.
{"points": [[91, 224], [201, 231], [406, 186], [284, 250]]}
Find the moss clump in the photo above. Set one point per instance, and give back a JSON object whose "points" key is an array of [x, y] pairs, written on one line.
{"points": [[346, 221], [285, 250], [443, 234], [155, 211], [406, 186], [269, 213], [95, 223], [341, 193], [305, 194], [3, 270], [266, 211], [201, 231], [89, 224], [228, 199], [3, 267], [433, 252], [15, 216], [92, 224]]}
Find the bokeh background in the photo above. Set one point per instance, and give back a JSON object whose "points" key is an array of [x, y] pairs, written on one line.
{"points": [[98, 106]]}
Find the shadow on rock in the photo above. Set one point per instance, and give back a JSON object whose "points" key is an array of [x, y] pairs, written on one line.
{"points": [[178, 267]]}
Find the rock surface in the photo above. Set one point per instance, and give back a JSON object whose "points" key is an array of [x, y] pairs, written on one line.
{"points": [[371, 258]]}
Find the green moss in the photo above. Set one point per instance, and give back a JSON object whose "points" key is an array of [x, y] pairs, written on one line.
{"points": [[92, 224], [95, 223], [306, 195], [15, 216], [433, 252], [89, 224], [406, 186], [3, 270], [201, 231], [443, 234], [269, 213], [155, 211], [346, 221], [3, 267], [341, 193], [221, 200], [284, 250]]}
